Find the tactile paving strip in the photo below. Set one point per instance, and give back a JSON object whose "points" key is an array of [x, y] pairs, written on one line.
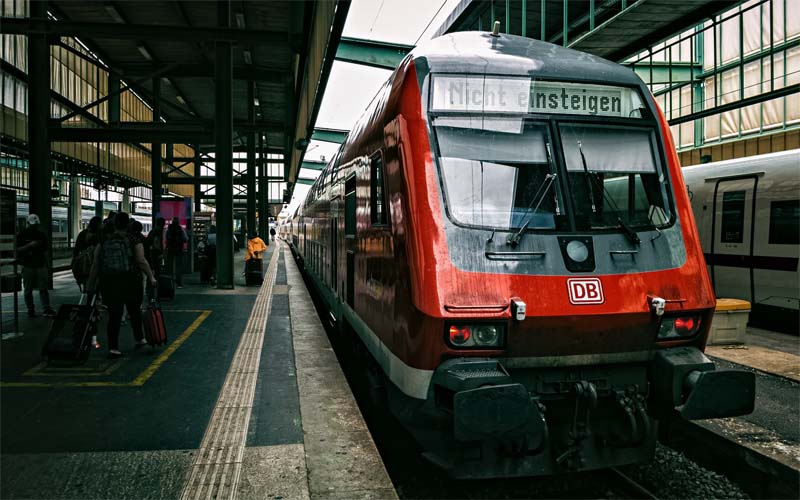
{"points": [[216, 469]]}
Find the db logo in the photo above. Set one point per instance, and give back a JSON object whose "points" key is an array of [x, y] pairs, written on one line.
{"points": [[585, 291]]}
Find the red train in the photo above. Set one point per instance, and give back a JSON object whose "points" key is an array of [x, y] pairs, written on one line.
{"points": [[507, 231]]}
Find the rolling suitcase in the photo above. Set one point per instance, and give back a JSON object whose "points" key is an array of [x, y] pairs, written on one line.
{"points": [[154, 330], [166, 287], [253, 272], [70, 336]]}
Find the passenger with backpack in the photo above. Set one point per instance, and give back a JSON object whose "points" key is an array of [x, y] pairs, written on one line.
{"points": [[118, 264], [176, 238], [83, 252], [154, 246]]}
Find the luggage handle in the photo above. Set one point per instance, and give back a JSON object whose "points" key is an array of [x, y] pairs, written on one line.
{"points": [[155, 300]]}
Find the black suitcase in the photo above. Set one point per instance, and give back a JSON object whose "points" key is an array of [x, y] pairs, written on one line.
{"points": [[253, 274], [166, 287], [70, 336]]}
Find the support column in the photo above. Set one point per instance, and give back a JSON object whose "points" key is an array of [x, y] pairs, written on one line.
{"points": [[251, 160], [74, 208], [223, 131], [40, 168], [155, 154], [263, 209], [126, 201], [198, 191]]}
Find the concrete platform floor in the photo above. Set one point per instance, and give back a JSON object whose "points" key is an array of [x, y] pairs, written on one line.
{"points": [[233, 405], [773, 429]]}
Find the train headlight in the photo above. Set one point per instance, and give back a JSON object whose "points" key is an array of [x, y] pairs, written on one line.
{"points": [[678, 327], [475, 336], [486, 335]]}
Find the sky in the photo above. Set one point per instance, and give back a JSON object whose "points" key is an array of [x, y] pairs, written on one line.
{"points": [[351, 86]]}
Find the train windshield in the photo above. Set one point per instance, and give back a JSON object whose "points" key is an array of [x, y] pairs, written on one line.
{"points": [[613, 176], [498, 172], [502, 169]]}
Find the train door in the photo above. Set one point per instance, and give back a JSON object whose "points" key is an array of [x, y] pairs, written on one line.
{"points": [[732, 238], [334, 254], [350, 237]]}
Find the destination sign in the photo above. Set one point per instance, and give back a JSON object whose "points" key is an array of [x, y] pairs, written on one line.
{"points": [[492, 94]]}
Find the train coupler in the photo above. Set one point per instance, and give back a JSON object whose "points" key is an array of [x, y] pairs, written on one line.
{"points": [[585, 401]]}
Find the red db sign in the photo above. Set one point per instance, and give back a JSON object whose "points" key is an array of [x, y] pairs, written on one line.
{"points": [[585, 291]]}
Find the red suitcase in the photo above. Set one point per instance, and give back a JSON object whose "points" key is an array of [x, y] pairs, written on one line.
{"points": [[154, 330]]}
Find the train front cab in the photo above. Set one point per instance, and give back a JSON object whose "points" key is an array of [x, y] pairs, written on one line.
{"points": [[582, 318]]}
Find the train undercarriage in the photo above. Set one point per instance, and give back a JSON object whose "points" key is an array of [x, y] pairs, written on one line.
{"points": [[482, 420]]}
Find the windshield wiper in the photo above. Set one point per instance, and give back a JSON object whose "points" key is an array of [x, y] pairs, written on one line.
{"points": [[588, 175], [515, 238], [621, 225], [628, 231]]}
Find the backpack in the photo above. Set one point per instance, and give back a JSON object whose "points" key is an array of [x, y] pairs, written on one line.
{"points": [[116, 256], [153, 245], [82, 264]]}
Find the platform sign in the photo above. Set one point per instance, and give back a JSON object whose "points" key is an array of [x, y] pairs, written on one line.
{"points": [[182, 209]]}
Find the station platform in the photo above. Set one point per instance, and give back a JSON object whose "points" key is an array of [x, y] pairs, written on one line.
{"points": [[247, 400], [773, 429]]}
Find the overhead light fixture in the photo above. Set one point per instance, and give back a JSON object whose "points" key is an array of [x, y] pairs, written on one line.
{"points": [[255, 101], [240, 20], [145, 53], [248, 57], [114, 13], [180, 99]]}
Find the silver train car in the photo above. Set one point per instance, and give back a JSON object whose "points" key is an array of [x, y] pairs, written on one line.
{"points": [[60, 222], [747, 212]]}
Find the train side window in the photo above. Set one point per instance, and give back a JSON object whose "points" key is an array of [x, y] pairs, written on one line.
{"points": [[377, 193], [784, 222], [733, 217]]}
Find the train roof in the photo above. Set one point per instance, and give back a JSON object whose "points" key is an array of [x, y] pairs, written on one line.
{"points": [[749, 164], [480, 52]]}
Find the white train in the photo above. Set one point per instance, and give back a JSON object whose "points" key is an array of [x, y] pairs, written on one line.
{"points": [[748, 215]]}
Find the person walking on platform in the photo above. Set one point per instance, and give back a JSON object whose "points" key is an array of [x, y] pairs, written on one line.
{"points": [[118, 264], [83, 252], [154, 251], [252, 259], [272, 233], [255, 247], [176, 238], [32, 253], [108, 225]]}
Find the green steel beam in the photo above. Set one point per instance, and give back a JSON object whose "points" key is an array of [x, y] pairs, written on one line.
{"points": [[680, 72], [313, 165], [329, 135], [766, 96], [371, 53], [307, 182]]}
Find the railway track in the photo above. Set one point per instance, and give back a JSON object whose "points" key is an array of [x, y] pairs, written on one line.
{"points": [[629, 486]]}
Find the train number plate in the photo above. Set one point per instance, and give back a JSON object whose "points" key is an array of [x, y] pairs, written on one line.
{"points": [[585, 291]]}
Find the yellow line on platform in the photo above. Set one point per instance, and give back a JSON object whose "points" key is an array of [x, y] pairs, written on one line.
{"points": [[155, 365], [141, 378]]}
